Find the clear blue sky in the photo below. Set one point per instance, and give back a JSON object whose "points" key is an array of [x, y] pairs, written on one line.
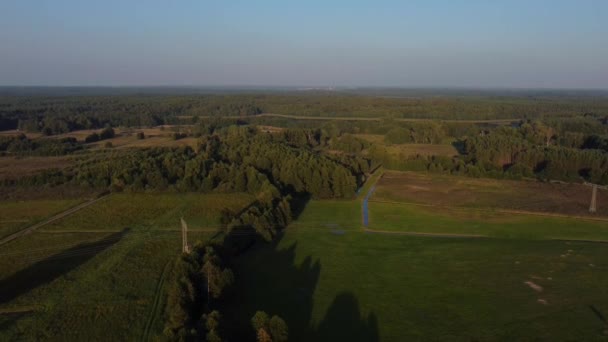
{"points": [[476, 43]]}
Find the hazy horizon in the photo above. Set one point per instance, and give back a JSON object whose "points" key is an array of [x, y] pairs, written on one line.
{"points": [[383, 44]]}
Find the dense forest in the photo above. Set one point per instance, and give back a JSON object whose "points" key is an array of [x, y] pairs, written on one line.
{"points": [[56, 115]]}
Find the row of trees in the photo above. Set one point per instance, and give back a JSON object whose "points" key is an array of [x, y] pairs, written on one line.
{"points": [[106, 133], [20, 145], [199, 279]]}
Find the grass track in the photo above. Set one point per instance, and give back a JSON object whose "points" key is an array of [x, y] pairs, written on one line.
{"points": [[154, 312]]}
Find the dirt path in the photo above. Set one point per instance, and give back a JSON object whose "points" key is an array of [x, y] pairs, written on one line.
{"points": [[354, 118], [441, 235], [59, 216], [156, 305]]}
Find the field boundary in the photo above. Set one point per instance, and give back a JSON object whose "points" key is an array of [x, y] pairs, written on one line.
{"points": [[497, 210], [54, 218], [441, 235]]}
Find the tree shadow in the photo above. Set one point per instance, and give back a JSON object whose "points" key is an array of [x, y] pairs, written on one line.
{"points": [[7, 320], [298, 204], [343, 322], [268, 279], [271, 278], [52, 267], [459, 145]]}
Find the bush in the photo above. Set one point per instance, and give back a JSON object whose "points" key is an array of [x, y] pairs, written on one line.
{"points": [[107, 133], [92, 138], [177, 135]]}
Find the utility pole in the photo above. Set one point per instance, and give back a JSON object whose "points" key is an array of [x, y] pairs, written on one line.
{"points": [[593, 206], [185, 247]]}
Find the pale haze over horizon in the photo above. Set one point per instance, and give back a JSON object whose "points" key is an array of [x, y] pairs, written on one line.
{"points": [[511, 44]]}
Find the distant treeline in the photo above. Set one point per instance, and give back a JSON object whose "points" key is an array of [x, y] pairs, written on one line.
{"points": [[20, 145], [55, 115]]}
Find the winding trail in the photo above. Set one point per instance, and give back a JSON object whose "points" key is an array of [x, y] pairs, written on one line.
{"points": [[59, 216]]}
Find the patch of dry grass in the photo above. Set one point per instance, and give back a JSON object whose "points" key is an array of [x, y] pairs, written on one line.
{"points": [[446, 190], [16, 167]]}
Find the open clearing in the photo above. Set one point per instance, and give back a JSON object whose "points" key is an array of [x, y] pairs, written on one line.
{"points": [[357, 286], [446, 190]]}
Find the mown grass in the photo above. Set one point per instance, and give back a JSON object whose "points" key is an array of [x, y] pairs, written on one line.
{"points": [[359, 286], [413, 218], [16, 215], [329, 215]]}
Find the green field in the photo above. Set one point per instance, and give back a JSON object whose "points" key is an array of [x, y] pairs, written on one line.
{"points": [[332, 281], [16, 215], [159, 211], [100, 273], [402, 217]]}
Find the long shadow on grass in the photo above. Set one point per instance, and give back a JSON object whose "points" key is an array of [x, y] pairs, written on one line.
{"points": [[46, 270], [270, 279], [343, 322]]}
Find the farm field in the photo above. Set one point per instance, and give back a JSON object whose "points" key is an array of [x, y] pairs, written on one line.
{"points": [[99, 274], [16, 215], [14, 167], [155, 211], [452, 191], [332, 281]]}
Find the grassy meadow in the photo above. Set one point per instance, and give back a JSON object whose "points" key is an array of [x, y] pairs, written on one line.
{"points": [[401, 217], [332, 281]]}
